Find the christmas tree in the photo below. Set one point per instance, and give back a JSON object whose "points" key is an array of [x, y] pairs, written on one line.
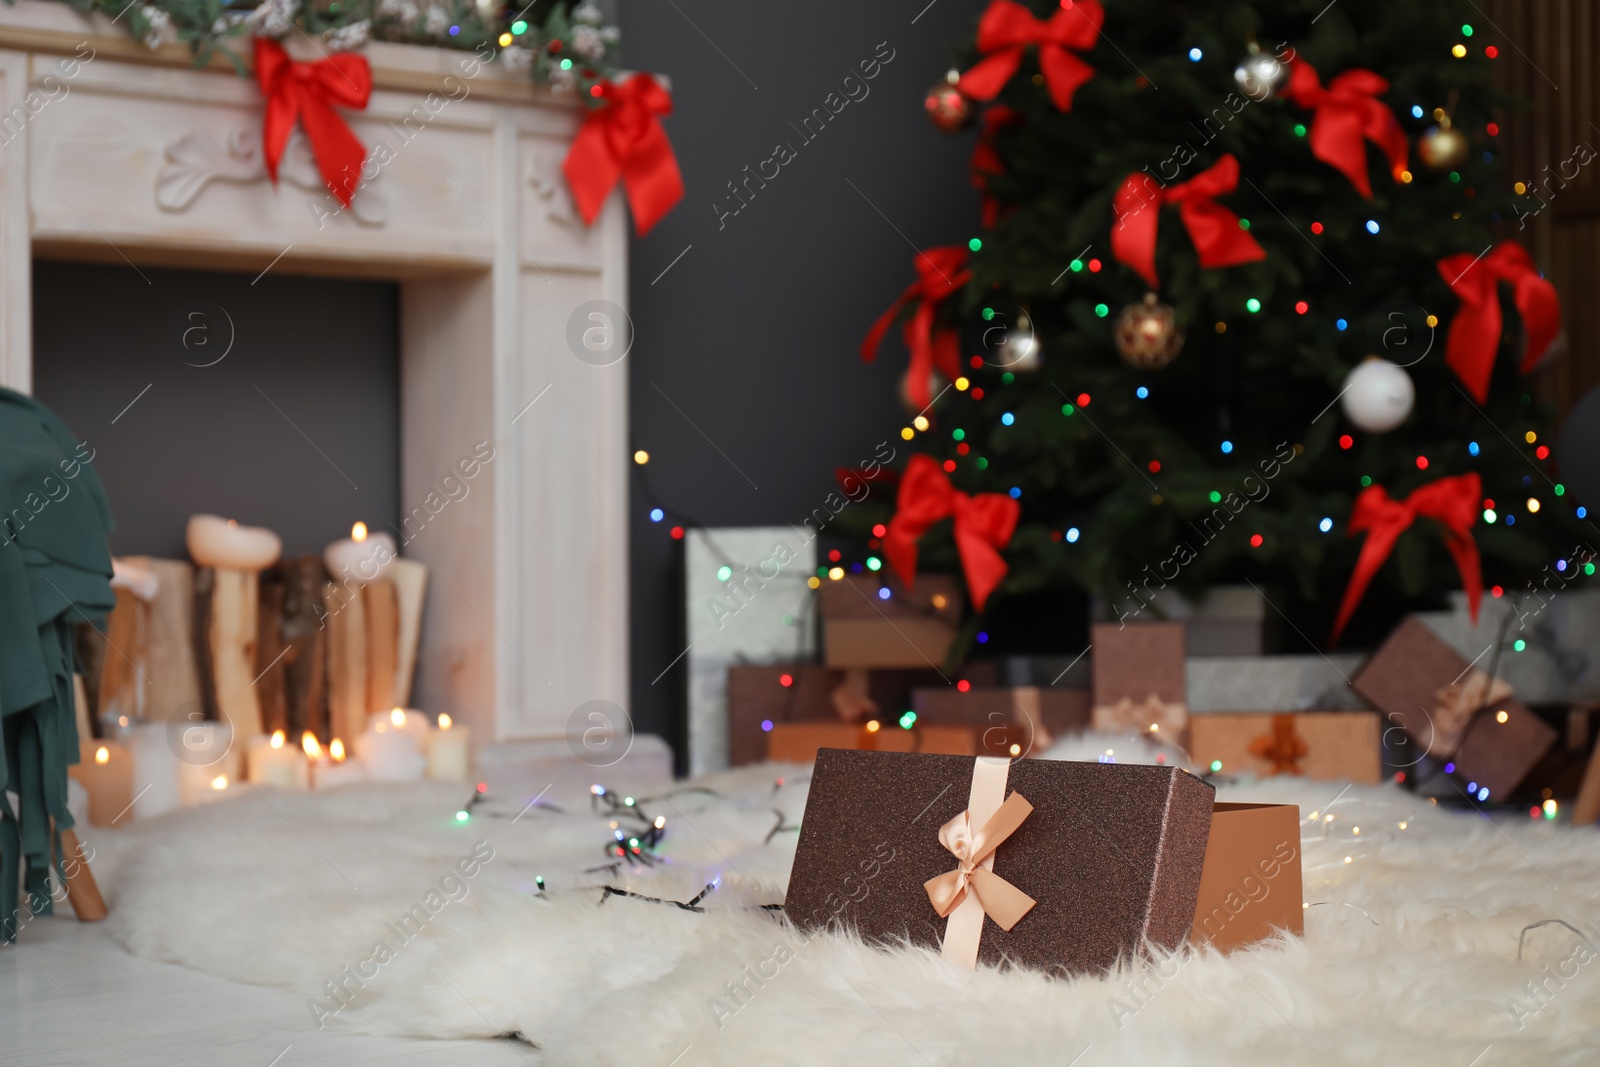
{"points": [[1300, 187]]}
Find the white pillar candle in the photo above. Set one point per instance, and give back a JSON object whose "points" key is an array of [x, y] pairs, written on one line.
{"points": [[361, 557], [336, 770], [155, 770], [449, 751], [273, 761], [205, 751], [105, 770], [218, 542], [211, 790], [389, 754], [409, 723]]}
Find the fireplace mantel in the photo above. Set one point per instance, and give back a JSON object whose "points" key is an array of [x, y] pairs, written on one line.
{"points": [[139, 159]]}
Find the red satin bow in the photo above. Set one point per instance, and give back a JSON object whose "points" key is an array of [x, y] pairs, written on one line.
{"points": [[940, 272], [1451, 502], [1475, 333], [307, 92], [1213, 228], [623, 139], [983, 525], [1348, 114], [1004, 30]]}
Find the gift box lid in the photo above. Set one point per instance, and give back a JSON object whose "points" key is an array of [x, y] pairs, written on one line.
{"points": [[1112, 854]]}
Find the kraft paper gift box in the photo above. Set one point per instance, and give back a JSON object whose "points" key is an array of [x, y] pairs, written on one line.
{"points": [[862, 628], [1320, 745], [799, 742], [1441, 701], [1007, 715], [1063, 866], [1139, 678], [1250, 888], [758, 700]]}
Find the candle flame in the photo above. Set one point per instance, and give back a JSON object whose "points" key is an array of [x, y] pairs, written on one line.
{"points": [[102, 754], [380, 727], [336, 750], [445, 722], [313, 747], [398, 717], [278, 738], [358, 532], [219, 782]]}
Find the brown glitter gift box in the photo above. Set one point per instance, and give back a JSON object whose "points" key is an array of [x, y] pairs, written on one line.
{"points": [[1139, 678], [1320, 745], [1453, 711], [861, 628], [1109, 856], [799, 742]]}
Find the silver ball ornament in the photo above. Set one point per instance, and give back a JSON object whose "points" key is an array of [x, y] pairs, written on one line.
{"points": [[1260, 75], [1378, 395]]}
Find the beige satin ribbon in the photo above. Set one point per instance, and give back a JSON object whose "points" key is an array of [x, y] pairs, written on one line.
{"points": [[1126, 714], [1454, 706], [965, 895]]}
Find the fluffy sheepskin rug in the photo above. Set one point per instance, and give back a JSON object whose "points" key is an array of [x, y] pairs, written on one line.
{"points": [[391, 916]]}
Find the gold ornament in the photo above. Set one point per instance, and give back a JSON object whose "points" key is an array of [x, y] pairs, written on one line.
{"points": [[949, 110], [1147, 334], [1443, 147]]}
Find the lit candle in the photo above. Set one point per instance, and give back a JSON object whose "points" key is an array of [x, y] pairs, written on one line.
{"points": [[218, 542], [361, 557], [105, 771], [215, 788], [449, 751], [336, 770], [391, 748], [205, 751], [273, 762]]}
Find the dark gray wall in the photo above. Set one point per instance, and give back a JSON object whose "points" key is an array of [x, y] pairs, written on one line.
{"points": [[209, 438], [755, 332]]}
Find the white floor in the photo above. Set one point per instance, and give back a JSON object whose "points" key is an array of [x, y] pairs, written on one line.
{"points": [[71, 996]]}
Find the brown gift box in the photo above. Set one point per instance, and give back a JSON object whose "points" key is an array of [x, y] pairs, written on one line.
{"points": [[908, 629], [1139, 678], [757, 696], [798, 742], [1319, 745], [1004, 714], [1111, 853], [1250, 887], [1427, 689]]}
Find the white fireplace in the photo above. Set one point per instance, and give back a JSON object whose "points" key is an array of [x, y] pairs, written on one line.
{"points": [[114, 153]]}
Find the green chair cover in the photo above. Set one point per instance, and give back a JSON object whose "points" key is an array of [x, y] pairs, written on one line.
{"points": [[55, 571]]}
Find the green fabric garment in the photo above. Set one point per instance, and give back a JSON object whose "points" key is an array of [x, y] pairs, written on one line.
{"points": [[55, 570]]}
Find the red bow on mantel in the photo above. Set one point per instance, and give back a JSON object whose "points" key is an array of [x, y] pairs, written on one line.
{"points": [[983, 525], [1348, 113], [1451, 502], [1007, 27], [940, 272], [1214, 229], [624, 139], [1475, 333], [307, 92]]}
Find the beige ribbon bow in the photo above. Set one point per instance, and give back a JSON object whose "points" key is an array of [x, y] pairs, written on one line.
{"points": [[1001, 901], [1454, 706]]}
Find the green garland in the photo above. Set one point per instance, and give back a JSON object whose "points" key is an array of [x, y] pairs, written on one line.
{"points": [[569, 51]]}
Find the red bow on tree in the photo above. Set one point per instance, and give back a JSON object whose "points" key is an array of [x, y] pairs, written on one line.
{"points": [[1451, 502], [623, 139], [1476, 331], [307, 92], [1348, 113], [939, 273], [1213, 228], [1007, 27], [983, 525]]}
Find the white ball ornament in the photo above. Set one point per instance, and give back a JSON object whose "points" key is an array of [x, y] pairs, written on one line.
{"points": [[1378, 395]]}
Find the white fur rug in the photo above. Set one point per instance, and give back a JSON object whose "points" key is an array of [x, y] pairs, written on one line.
{"points": [[1410, 953]]}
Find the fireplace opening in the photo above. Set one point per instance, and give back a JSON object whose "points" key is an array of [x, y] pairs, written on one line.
{"points": [[272, 399]]}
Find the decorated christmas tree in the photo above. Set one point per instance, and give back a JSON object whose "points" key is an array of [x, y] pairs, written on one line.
{"points": [[1249, 304]]}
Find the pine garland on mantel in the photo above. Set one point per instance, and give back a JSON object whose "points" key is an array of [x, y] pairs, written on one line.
{"points": [[568, 51]]}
